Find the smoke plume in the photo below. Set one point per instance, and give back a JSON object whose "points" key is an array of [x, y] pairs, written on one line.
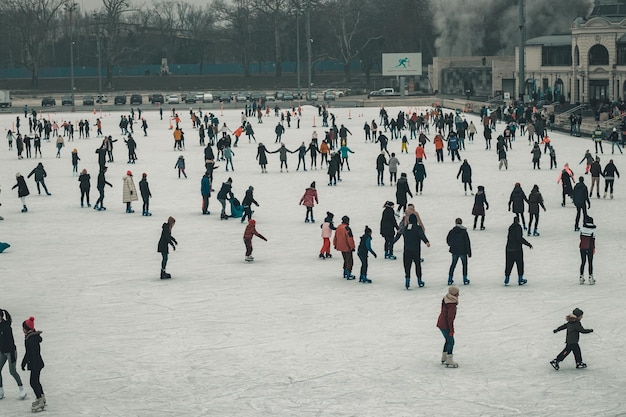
{"points": [[490, 27]]}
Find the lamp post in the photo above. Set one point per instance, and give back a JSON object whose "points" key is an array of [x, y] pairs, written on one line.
{"points": [[298, 48], [70, 6], [309, 41]]}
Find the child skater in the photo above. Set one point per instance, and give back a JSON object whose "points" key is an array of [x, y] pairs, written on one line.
{"points": [[308, 200], [587, 249], [365, 247], [180, 165], [327, 231], [34, 362], [574, 328], [75, 160], [247, 238], [480, 205]]}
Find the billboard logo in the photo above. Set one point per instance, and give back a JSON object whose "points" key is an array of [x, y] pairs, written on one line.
{"points": [[402, 63]]}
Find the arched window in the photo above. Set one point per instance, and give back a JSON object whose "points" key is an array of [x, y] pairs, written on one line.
{"points": [[598, 55], [576, 56]]}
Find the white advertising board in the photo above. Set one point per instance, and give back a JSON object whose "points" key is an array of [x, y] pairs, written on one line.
{"points": [[402, 64]]}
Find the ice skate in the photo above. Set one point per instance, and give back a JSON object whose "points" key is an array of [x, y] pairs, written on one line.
{"points": [[37, 405], [555, 364], [591, 280], [165, 275], [580, 365], [249, 258], [1, 393], [535, 233], [450, 363], [506, 280], [450, 281], [581, 279], [444, 356], [465, 280], [24, 209], [328, 255], [521, 280], [420, 283], [364, 280], [407, 283], [22, 394], [321, 256]]}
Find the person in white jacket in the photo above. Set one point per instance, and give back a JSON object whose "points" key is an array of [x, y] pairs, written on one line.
{"points": [[129, 192]]}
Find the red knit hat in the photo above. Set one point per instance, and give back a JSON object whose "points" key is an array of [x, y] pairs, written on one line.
{"points": [[29, 324], [129, 173]]}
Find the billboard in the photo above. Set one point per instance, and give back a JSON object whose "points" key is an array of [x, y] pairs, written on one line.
{"points": [[402, 64]]}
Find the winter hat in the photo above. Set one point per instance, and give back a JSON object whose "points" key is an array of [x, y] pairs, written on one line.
{"points": [[453, 290], [17, 175], [481, 188], [181, 157], [581, 179], [229, 179], [144, 175], [129, 173], [345, 219], [403, 174], [577, 312], [251, 188], [389, 204], [588, 222], [368, 230], [313, 184], [458, 220], [517, 184], [29, 323], [329, 215], [252, 222]]}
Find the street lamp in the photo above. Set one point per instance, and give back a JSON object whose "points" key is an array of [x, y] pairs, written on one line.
{"points": [[309, 41], [298, 48], [70, 6]]}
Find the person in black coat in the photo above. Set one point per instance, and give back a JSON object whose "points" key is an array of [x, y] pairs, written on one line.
{"points": [[413, 237], [132, 147], [261, 156], [609, 173], [164, 242], [480, 205], [247, 202], [85, 185], [223, 194], [574, 329], [100, 186], [8, 351], [33, 361], [581, 201], [144, 189], [535, 199], [40, 175], [465, 172], [460, 248], [388, 227], [402, 189], [516, 202], [514, 252], [381, 161], [333, 168], [22, 190]]}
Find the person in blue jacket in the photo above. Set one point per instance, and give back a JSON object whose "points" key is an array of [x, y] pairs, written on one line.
{"points": [[205, 190], [365, 247]]}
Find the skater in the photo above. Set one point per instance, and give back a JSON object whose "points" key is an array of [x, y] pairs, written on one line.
{"points": [[75, 160], [33, 361], [365, 247], [587, 248], [453, 145], [129, 192], [302, 150], [180, 166], [413, 235], [598, 136], [535, 200], [146, 195], [327, 231], [223, 194], [163, 245], [40, 175], [205, 190], [552, 153], [247, 202], [388, 227], [402, 189], [132, 147], [438, 142], [465, 172], [614, 138], [596, 171], [381, 161], [8, 352], [480, 206], [588, 159], [393, 168], [85, 185], [100, 186], [261, 156], [445, 323], [515, 253], [309, 199], [60, 144], [22, 190], [282, 151], [344, 243], [248, 234], [609, 173], [333, 168], [344, 151], [565, 178], [516, 202], [574, 329], [228, 157], [536, 153], [581, 201], [460, 248], [419, 172]]}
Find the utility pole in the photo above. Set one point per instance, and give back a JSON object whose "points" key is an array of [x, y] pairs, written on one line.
{"points": [[70, 6], [522, 47], [309, 41], [298, 47]]}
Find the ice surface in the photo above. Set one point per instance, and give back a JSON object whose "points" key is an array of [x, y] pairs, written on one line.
{"points": [[286, 335]]}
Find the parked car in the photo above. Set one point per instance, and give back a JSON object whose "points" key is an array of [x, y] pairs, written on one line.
{"points": [[87, 100], [225, 97], [66, 100], [102, 99], [207, 98], [48, 101], [136, 99], [334, 92], [382, 92], [173, 99], [279, 95], [199, 96], [288, 96], [241, 97], [311, 97], [156, 98], [256, 96], [189, 97], [119, 100], [329, 95], [270, 97]]}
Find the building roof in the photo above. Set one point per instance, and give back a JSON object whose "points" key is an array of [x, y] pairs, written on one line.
{"points": [[609, 8], [551, 40]]}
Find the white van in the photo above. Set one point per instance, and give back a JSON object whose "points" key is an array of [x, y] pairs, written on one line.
{"points": [[207, 98]]}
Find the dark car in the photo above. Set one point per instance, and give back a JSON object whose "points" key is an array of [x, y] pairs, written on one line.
{"points": [[87, 100], [136, 99], [119, 100], [189, 98], [225, 97], [156, 98], [67, 100], [48, 101]]}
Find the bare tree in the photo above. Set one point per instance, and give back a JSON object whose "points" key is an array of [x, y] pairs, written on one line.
{"points": [[275, 11], [239, 24], [33, 21], [112, 34]]}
